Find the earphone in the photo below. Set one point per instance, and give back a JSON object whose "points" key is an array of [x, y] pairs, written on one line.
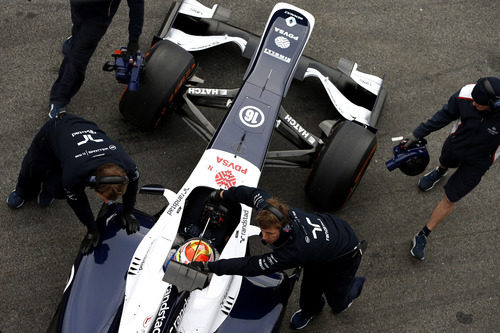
{"points": [[286, 231], [493, 100], [94, 181]]}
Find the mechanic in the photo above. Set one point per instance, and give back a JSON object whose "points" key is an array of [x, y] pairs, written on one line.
{"points": [[472, 147], [91, 19], [68, 154], [323, 244]]}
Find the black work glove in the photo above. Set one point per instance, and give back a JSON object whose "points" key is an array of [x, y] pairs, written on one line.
{"points": [[90, 241], [130, 223], [215, 196], [411, 141], [199, 266], [132, 49]]}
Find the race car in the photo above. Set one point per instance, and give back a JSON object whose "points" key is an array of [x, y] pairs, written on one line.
{"points": [[143, 282], [164, 81]]}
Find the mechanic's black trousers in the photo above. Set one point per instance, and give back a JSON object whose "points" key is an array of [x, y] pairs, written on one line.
{"points": [[86, 33], [40, 165], [333, 280]]}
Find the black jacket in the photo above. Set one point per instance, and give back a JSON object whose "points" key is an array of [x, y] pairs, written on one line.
{"points": [[476, 139], [317, 239], [81, 147]]}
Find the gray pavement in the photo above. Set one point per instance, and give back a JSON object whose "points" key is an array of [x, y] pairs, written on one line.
{"points": [[426, 49]]}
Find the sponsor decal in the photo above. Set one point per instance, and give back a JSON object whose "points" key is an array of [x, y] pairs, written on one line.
{"points": [[282, 42], [277, 55], [294, 15], [286, 33], [176, 203], [290, 21], [231, 165], [327, 234], [225, 179], [83, 132], [244, 223], [207, 91], [292, 122], [177, 321], [162, 311], [252, 116], [493, 130]]}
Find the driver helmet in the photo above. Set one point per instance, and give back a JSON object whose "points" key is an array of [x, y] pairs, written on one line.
{"points": [[195, 249]]}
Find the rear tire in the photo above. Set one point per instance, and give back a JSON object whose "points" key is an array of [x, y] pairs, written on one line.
{"points": [[167, 67], [340, 166]]}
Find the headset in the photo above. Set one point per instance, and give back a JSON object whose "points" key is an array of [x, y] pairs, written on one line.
{"points": [[94, 181], [286, 233], [493, 99]]}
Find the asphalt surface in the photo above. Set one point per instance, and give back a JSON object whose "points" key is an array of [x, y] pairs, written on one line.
{"points": [[426, 49]]}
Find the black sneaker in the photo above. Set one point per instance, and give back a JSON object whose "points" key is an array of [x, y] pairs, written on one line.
{"points": [[15, 200], [427, 182], [300, 320], [418, 246], [55, 111]]}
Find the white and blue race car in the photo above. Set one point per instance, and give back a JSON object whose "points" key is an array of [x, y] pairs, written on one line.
{"points": [[139, 283]]}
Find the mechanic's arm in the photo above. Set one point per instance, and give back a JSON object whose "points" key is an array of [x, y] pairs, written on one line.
{"points": [[250, 196], [136, 20], [78, 201], [131, 193], [255, 265], [440, 119]]}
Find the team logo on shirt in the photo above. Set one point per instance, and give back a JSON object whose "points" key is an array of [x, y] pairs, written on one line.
{"points": [[315, 226]]}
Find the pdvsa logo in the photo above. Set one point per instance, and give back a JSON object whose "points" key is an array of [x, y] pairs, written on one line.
{"points": [[225, 179], [252, 116]]}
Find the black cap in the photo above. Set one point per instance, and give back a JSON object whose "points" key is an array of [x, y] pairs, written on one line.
{"points": [[481, 95]]}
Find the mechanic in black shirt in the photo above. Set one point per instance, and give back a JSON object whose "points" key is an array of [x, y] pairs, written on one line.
{"points": [[472, 147], [91, 19], [323, 244], [67, 155]]}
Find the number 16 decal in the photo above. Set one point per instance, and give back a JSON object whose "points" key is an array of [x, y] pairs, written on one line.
{"points": [[251, 116]]}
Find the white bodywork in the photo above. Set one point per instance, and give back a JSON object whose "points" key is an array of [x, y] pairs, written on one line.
{"points": [[145, 287], [346, 108]]}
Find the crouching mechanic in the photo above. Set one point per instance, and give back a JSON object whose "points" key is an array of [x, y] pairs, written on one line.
{"points": [[67, 155], [324, 245], [472, 147]]}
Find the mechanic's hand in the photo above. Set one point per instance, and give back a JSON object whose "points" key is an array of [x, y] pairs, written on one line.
{"points": [[130, 223], [132, 49], [215, 196], [411, 141], [90, 241], [199, 266]]}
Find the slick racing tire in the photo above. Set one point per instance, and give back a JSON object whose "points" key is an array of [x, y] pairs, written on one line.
{"points": [[340, 165], [167, 67]]}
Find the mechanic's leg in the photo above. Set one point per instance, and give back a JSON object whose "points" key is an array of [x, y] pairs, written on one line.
{"points": [[85, 37], [464, 180], [339, 288], [36, 162], [314, 280], [440, 212]]}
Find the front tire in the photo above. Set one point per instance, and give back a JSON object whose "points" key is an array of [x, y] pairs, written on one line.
{"points": [[167, 67], [340, 166]]}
